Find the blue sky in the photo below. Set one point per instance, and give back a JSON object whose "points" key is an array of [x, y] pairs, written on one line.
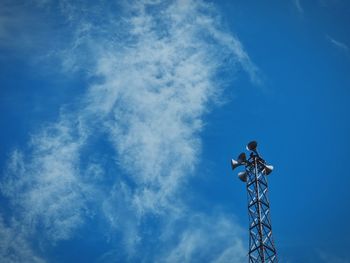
{"points": [[119, 119]]}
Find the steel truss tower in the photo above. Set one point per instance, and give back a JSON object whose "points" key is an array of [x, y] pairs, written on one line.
{"points": [[261, 244]]}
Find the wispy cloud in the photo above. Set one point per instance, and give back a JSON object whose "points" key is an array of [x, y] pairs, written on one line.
{"points": [[196, 237], [44, 186], [21, 28], [157, 67], [337, 44], [12, 19], [215, 238], [14, 247], [298, 6], [330, 258]]}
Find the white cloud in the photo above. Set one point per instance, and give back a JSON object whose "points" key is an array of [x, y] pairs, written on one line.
{"points": [[44, 186], [157, 87], [157, 82]]}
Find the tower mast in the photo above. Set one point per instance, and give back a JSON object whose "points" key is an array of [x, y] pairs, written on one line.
{"points": [[261, 244]]}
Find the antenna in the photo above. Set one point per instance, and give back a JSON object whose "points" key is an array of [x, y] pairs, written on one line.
{"points": [[261, 245]]}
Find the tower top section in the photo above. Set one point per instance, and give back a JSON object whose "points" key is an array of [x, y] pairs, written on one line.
{"points": [[254, 156]]}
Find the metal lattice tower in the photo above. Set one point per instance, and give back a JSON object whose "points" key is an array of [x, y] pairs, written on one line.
{"points": [[261, 244]]}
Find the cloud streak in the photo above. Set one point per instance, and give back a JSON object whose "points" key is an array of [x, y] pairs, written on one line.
{"points": [[339, 45], [298, 6]]}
